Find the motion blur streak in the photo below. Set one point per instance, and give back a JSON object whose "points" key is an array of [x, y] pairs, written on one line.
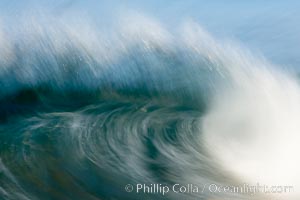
{"points": [[87, 108]]}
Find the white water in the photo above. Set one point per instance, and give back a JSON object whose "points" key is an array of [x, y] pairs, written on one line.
{"points": [[253, 124], [250, 128]]}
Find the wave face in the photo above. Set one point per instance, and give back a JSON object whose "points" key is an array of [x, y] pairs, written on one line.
{"points": [[85, 111]]}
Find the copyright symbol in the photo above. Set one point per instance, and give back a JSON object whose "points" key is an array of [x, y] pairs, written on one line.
{"points": [[129, 188]]}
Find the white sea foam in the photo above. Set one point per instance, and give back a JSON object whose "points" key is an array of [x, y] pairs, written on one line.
{"points": [[250, 128]]}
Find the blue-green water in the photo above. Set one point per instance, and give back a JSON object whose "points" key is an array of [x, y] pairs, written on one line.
{"points": [[88, 107]]}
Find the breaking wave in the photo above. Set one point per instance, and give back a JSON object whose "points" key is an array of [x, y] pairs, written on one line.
{"points": [[86, 110]]}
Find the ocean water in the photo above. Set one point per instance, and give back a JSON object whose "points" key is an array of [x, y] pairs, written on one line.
{"points": [[121, 104]]}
